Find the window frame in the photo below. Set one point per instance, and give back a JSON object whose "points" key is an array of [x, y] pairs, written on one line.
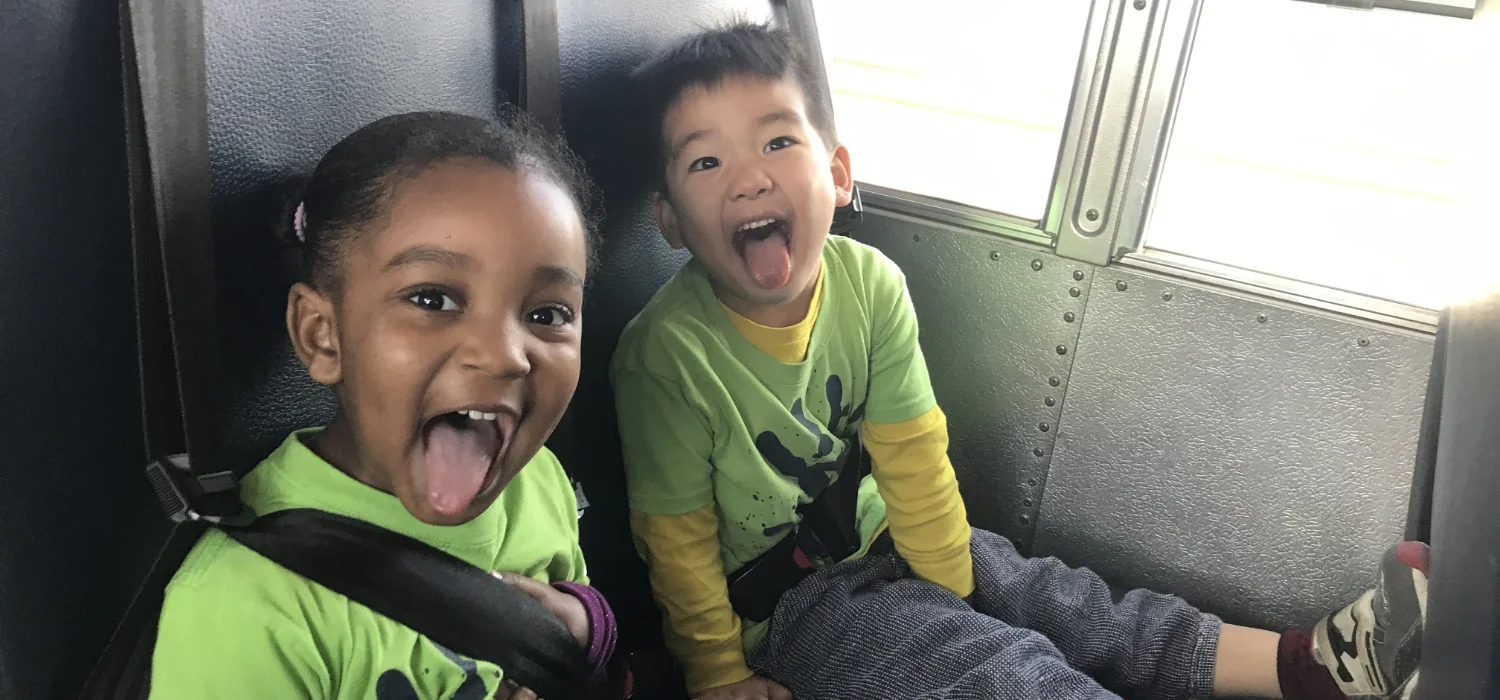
{"points": [[1132, 67]]}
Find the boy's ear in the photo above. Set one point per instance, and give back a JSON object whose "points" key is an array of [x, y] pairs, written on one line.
{"points": [[843, 176], [310, 323], [666, 219]]}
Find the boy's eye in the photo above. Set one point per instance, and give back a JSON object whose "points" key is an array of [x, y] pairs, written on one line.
{"points": [[704, 163], [550, 316], [433, 300], [779, 143]]}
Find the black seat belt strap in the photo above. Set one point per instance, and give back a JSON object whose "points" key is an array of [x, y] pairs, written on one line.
{"points": [[448, 600], [541, 86], [166, 137]]}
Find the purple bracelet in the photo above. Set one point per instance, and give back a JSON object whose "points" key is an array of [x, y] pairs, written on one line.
{"points": [[602, 632]]}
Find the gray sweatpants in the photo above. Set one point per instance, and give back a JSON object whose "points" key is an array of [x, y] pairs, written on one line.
{"points": [[1038, 630]]}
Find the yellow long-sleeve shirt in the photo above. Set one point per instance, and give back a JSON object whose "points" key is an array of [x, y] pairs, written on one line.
{"points": [[924, 512]]}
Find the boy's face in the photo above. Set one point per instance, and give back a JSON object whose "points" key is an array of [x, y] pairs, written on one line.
{"points": [[454, 341], [751, 189]]}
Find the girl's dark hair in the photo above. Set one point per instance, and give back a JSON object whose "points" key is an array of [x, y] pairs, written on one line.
{"points": [[351, 187]]}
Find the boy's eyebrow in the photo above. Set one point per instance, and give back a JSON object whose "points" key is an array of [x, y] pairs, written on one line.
{"points": [[429, 254], [554, 274], [780, 115], [682, 143]]}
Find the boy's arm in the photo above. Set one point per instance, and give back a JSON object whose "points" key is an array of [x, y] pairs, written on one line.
{"points": [[702, 630], [907, 437], [666, 444], [926, 513]]}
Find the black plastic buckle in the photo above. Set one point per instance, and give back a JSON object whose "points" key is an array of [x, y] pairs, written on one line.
{"points": [[189, 498]]}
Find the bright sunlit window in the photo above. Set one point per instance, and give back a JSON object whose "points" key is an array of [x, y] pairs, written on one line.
{"points": [[1338, 147], [963, 100]]}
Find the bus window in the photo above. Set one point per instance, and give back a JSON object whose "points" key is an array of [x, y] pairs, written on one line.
{"points": [[961, 100], [1334, 147]]}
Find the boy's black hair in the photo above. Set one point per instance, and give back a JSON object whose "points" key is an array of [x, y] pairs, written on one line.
{"points": [[742, 48], [351, 187]]}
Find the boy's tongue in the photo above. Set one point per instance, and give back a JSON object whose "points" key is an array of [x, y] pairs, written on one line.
{"points": [[769, 260], [458, 456]]}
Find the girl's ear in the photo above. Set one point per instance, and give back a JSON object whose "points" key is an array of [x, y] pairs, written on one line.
{"points": [[312, 326]]}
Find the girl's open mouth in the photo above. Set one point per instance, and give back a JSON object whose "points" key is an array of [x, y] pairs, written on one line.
{"points": [[461, 449]]}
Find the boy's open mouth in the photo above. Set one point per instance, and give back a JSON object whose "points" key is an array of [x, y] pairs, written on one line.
{"points": [[765, 244], [461, 449]]}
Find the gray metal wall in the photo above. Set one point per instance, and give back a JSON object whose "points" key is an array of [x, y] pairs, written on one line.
{"points": [[1161, 432]]}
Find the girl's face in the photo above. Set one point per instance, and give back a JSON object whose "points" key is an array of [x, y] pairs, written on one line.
{"points": [[454, 341]]}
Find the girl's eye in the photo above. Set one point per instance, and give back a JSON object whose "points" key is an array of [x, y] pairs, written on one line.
{"points": [[779, 143], [433, 300], [704, 163], [551, 316]]}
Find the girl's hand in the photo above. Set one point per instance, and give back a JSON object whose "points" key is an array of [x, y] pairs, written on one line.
{"points": [[566, 607]]}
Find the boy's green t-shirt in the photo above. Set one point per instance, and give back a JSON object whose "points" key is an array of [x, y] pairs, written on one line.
{"points": [[236, 625], [707, 418]]}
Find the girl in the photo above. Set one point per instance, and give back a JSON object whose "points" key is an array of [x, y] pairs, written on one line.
{"points": [[440, 297]]}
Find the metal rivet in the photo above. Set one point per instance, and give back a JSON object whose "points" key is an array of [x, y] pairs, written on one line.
{"points": [[1078, 275], [1050, 401], [1054, 381], [1070, 316], [1140, 4], [1074, 292], [1364, 342], [1036, 265], [1038, 452], [1032, 480], [1043, 427], [916, 236], [1062, 349], [1166, 296], [1120, 285], [1262, 318], [994, 255], [1026, 502], [1025, 520], [1091, 215]]}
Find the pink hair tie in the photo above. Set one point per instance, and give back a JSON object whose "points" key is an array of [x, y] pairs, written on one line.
{"points": [[299, 222]]}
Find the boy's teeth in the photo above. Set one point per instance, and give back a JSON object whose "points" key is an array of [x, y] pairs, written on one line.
{"points": [[757, 224], [479, 415]]}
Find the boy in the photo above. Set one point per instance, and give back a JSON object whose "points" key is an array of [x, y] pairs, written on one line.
{"points": [[741, 388]]}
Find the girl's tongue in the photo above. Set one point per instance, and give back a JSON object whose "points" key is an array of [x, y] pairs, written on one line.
{"points": [[769, 260], [458, 452]]}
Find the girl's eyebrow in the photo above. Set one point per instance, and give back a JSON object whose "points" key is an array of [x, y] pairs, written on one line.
{"points": [[429, 254], [556, 274]]}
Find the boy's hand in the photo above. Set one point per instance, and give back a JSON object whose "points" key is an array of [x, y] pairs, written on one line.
{"points": [[1372, 646], [566, 607], [752, 688]]}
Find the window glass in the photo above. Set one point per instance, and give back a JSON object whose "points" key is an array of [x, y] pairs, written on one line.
{"points": [[963, 100], [1338, 147]]}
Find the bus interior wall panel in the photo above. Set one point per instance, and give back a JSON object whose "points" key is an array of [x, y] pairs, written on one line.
{"points": [[78, 524], [286, 80], [1252, 457], [600, 42], [993, 316]]}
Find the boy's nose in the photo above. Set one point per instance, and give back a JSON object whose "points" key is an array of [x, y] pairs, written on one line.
{"points": [[752, 183]]}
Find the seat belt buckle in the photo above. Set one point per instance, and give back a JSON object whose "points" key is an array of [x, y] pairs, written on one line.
{"points": [[184, 495]]}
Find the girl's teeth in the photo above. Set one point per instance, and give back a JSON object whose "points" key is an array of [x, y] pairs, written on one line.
{"points": [[480, 415]]}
